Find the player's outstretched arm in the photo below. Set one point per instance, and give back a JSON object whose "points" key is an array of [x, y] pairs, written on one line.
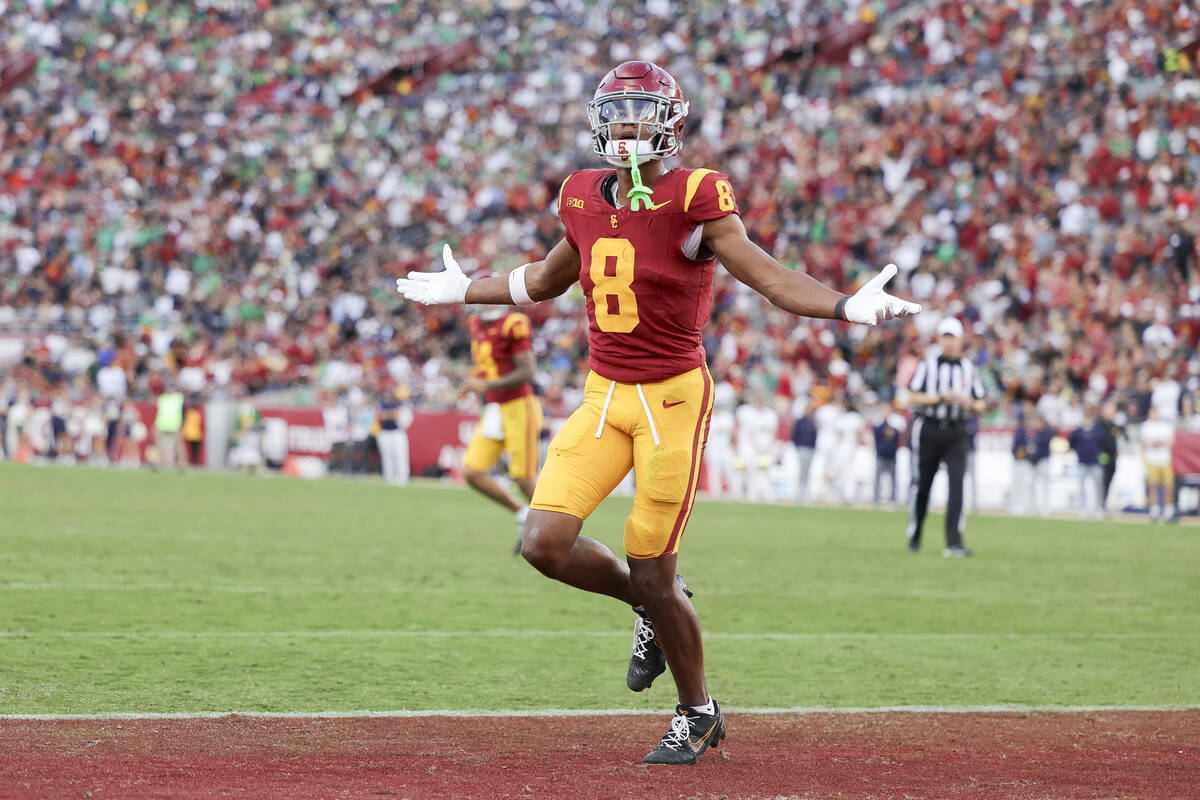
{"points": [[795, 291], [529, 283]]}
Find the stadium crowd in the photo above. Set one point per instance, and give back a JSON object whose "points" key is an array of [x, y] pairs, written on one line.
{"points": [[215, 196]]}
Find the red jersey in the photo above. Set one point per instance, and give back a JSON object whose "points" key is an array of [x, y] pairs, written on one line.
{"points": [[647, 295], [494, 345]]}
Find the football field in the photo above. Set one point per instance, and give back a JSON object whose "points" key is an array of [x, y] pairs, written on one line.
{"points": [[135, 593], [142, 592]]}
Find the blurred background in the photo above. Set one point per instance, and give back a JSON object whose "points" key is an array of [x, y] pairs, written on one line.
{"points": [[210, 202]]}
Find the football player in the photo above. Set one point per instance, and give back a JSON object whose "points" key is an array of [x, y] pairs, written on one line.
{"points": [[643, 240], [512, 417]]}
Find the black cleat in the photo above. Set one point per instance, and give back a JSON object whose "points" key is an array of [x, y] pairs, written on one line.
{"points": [[691, 734], [648, 660]]}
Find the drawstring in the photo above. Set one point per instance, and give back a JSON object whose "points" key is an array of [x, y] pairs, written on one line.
{"points": [[645, 407], [604, 411], [649, 416]]}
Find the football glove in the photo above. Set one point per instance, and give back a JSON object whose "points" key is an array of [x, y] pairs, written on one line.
{"points": [[433, 288], [871, 305]]}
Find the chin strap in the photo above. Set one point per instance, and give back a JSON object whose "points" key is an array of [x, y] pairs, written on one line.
{"points": [[639, 195]]}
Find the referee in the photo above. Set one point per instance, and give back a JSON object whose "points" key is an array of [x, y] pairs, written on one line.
{"points": [[945, 391]]}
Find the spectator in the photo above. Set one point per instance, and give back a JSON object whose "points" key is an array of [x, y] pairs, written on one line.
{"points": [[887, 444], [1088, 441], [804, 438], [395, 417], [1021, 490], [1189, 414], [1112, 431], [168, 423], [133, 436], [158, 222], [336, 419], [193, 430], [1039, 456]]}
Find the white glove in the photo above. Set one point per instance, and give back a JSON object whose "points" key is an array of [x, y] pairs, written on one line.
{"points": [[871, 305], [431, 288]]}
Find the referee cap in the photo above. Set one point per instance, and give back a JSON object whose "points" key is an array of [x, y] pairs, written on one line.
{"points": [[949, 326]]}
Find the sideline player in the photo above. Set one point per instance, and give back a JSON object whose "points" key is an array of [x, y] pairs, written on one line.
{"points": [[512, 416], [643, 242]]}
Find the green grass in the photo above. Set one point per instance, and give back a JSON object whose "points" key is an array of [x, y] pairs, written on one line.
{"points": [[147, 592]]}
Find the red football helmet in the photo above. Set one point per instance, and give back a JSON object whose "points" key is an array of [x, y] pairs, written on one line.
{"points": [[643, 94]]}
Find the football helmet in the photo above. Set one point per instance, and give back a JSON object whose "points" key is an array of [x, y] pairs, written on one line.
{"points": [[643, 94]]}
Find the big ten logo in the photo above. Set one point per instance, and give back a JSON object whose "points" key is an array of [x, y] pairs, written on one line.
{"points": [[574, 202]]}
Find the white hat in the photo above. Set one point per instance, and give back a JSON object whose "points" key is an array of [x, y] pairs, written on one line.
{"points": [[949, 326]]}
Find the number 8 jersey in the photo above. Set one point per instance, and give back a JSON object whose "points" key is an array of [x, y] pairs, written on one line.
{"points": [[648, 294]]}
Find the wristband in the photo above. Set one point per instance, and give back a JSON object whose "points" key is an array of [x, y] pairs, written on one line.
{"points": [[839, 311], [516, 287]]}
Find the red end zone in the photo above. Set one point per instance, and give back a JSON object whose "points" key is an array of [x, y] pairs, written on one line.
{"points": [[1104, 754]]}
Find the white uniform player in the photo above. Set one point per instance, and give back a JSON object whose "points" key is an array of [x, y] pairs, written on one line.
{"points": [[718, 453], [757, 442]]}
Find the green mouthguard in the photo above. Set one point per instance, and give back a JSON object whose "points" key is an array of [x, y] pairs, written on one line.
{"points": [[639, 195]]}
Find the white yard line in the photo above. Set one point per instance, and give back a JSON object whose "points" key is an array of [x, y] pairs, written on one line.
{"points": [[538, 634], [608, 712]]}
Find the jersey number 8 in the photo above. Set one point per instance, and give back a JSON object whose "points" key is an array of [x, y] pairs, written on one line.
{"points": [[612, 294]]}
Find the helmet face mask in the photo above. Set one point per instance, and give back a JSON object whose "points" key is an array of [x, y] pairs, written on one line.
{"points": [[640, 97]]}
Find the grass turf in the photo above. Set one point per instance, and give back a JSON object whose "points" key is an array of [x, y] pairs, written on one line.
{"points": [[142, 592]]}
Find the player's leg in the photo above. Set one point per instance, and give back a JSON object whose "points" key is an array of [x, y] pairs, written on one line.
{"points": [[926, 456], [676, 623], [1153, 492], [668, 447], [1168, 483], [553, 546], [482, 453], [580, 471], [522, 433], [955, 457]]}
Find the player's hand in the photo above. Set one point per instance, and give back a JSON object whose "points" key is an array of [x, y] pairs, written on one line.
{"points": [[432, 288], [871, 305], [473, 386]]}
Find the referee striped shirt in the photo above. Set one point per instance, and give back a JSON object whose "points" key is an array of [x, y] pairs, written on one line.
{"points": [[937, 374]]}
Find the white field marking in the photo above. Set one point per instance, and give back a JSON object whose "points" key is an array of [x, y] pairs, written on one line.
{"points": [[536, 634], [1012, 708], [387, 588]]}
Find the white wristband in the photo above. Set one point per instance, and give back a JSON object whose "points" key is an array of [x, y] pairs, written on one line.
{"points": [[516, 287]]}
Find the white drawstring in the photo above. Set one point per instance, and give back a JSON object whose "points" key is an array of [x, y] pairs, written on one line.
{"points": [[649, 416], [604, 411], [645, 407]]}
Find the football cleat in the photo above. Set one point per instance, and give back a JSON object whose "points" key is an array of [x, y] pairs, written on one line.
{"points": [[647, 661], [691, 734]]}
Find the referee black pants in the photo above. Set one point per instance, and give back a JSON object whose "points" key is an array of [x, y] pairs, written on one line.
{"points": [[936, 442]]}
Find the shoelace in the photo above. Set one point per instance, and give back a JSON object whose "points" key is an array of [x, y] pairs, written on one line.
{"points": [[643, 638], [677, 737]]}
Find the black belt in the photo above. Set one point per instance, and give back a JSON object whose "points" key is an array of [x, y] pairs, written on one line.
{"points": [[944, 424]]}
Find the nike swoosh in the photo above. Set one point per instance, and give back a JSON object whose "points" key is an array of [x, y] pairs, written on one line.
{"points": [[698, 743], [657, 206], [677, 402]]}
